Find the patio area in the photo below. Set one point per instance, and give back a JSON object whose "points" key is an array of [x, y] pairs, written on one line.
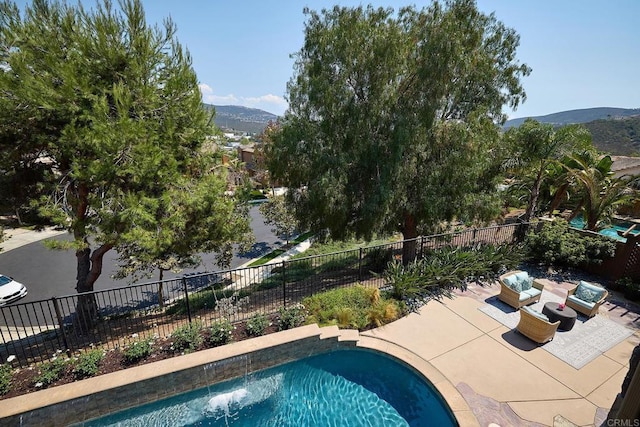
{"points": [[506, 379]]}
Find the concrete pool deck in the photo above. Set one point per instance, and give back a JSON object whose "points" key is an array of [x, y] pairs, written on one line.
{"points": [[504, 380]]}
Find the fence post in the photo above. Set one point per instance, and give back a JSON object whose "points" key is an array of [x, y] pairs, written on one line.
{"points": [[521, 231], [186, 298], [56, 307], [360, 265], [422, 247], [284, 285]]}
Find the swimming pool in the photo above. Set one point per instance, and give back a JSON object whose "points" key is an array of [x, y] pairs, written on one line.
{"points": [[343, 387], [612, 231]]}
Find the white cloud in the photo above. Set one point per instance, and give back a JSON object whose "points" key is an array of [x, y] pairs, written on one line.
{"points": [[271, 103], [205, 89], [230, 99]]}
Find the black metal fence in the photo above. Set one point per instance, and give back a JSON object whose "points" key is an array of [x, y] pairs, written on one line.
{"points": [[35, 331]]}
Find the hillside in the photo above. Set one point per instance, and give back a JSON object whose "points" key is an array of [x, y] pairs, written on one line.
{"points": [[614, 130], [578, 116], [242, 119], [620, 137]]}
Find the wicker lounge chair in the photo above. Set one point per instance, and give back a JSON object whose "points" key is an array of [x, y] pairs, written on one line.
{"points": [[515, 298], [586, 298], [534, 326]]}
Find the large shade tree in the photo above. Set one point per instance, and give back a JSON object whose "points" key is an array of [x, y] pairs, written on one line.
{"points": [[111, 107], [392, 120]]}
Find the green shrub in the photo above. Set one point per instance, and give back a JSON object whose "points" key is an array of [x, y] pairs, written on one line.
{"points": [[352, 307], [445, 269], [383, 312], [6, 372], [406, 281], [188, 337], [557, 244], [257, 325], [87, 363], [345, 317], [51, 371], [494, 259], [220, 333], [203, 299], [291, 317], [137, 351], [324, 306], [630, 288]]}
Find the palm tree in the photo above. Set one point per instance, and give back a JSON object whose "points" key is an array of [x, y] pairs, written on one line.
{"points": [[536, 147], [601, 192], [564, 186]]}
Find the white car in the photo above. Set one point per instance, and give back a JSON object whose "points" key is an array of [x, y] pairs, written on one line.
{"points": [[10, 290]]}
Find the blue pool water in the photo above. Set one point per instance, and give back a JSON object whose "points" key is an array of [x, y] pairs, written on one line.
{"points": [[341, 388], [612, 231]]}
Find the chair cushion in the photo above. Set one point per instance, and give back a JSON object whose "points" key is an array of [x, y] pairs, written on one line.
{"points": [[584, 294], [588, 292], [532, 293], [513, 283], [522, 276], [583, 303], [535, 313], [509, 280], [527, 283]]}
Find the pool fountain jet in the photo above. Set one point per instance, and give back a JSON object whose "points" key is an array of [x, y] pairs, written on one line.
{"points": [[254, 391]]}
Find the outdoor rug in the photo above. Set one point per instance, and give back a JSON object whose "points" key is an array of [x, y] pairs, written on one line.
{"points": [[587, 340]]}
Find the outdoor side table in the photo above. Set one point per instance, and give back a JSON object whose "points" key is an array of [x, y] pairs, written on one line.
{"points": [[566, 316]]}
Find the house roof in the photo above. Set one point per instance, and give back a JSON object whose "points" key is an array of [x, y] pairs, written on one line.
{"points": [[623, 165]]}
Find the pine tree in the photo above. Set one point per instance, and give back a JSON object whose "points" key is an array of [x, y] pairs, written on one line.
{"points": [[111, 105]]}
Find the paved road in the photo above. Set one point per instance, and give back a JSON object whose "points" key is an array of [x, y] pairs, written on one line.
{"points": [[48, 273]]}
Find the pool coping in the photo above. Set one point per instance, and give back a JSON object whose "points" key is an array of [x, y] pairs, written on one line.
{"points": [[80, 401]]}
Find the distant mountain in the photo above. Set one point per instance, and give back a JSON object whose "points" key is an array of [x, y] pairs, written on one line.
{"points": [[578, 116], [242, 119], [620, 137], [613, 130]]}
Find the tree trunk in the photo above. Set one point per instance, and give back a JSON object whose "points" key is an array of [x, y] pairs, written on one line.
{"points": [[576, 212], [409, 234], [88, 270], [592, 222], [86, 308], [18, 218], [160, 290], [533, 198], [558, 198], [89, 265]]}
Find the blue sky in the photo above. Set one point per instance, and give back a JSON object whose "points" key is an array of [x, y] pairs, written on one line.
{"points": [[584, 53]]}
